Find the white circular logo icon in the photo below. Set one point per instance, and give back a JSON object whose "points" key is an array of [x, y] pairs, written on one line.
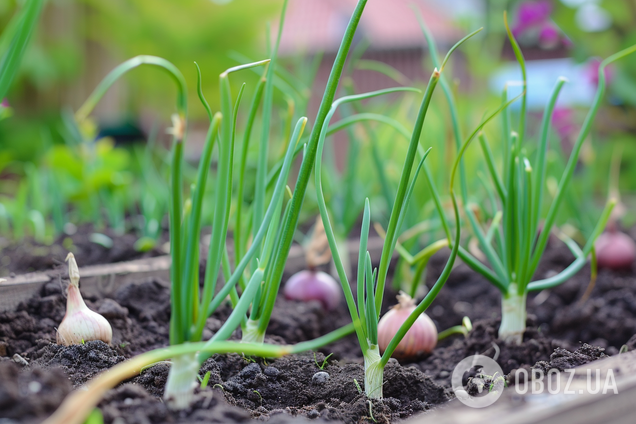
{"points": [[478, 381]]}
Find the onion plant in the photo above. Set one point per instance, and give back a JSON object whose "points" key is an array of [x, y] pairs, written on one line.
{"points": [[371, 282], [406, 245], [344, 191], [515, 243]]}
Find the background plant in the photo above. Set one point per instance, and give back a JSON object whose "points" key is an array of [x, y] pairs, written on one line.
{"points": [[514, 244]]}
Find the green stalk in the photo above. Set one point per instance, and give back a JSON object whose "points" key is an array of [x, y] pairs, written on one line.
{"points": [[350, 206], [20, 29], [291, 221], [223, 195], [251, 334], [470, 260], [222, 198], [372, 321], [238, 314], [402, 187], [421, 260], [182, 100], [524, 77], [259, 303], [518, 217], [539, 181], [190, 283], [178, 328], [490, 162], [364, 236], [258, 238], [360, 117], [344, 281], [529, 237], [406, 173], [432, 294], [576, 266], [261, 169], [239, 247], [509, 209]]}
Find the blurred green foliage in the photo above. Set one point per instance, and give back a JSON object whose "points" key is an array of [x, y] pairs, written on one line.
{"points": [[181, 32], [80, 36]]}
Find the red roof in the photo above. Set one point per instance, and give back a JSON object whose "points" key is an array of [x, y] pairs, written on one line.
{"points": [[318, 25]]}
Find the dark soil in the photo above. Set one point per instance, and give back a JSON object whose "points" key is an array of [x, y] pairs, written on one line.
{"points": [[294, 388], [30, 256], [31, 394]]}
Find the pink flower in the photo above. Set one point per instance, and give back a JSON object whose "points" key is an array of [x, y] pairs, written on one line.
{"points": [[591, 71], [5, 103], [549, 36], [531, 14], [563, 122]]}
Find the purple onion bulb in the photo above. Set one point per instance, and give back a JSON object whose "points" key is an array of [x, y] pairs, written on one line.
{"points": [[311, 285], [615, 250]]}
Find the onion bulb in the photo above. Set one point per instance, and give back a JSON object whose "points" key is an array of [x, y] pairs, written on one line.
{"points": [[419, 340], [615, 250], [312, 285], [80, 324]]}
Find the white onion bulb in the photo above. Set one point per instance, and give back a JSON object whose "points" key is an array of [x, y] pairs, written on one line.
{"points": [[419, 340], [80, 324]]}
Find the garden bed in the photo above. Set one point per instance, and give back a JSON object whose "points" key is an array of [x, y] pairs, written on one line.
{"points": [[136, 302], [92, 248]]}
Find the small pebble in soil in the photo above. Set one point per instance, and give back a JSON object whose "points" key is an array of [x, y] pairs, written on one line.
{"points": [[271, 371], [320, 377], [35, 386]]}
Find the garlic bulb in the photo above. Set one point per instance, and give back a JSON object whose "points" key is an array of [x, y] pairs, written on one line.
{"points": [[80, 324], [421, 337]]}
